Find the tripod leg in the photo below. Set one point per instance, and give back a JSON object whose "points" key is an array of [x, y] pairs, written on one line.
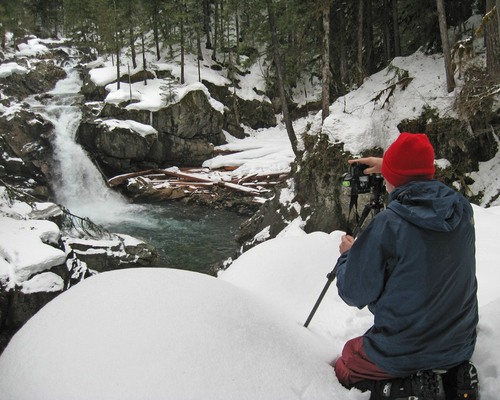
{"points": [[331, 277], [361, 221]]}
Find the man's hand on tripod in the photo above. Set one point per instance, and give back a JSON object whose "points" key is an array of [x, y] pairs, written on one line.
{"points": [[346, 242], [375, 164]]}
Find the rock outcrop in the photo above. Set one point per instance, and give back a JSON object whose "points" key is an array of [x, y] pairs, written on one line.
{"points": [[184, 134], [40, 77], [253, 113], [27, 154]]}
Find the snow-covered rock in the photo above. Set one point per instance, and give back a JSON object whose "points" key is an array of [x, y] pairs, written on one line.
{"points": [[28, 246]]}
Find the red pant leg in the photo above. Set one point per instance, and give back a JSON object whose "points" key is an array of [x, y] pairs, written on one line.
{"points": [[355, 366]]}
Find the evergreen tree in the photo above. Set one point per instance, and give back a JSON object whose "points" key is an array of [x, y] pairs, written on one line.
{"points": [[79, 21], [15, 18]]}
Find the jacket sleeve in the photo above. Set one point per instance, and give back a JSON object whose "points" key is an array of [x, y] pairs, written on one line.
{"points": [[362, 271]]}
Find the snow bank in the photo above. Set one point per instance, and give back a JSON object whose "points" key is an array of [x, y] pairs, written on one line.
{"points": [[162, 333], [268, 151], [11, 68], [32, 48], [361, 121], [183, 336], [26, 246], [131, 125]]}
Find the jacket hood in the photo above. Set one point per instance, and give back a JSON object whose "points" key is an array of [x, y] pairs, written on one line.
{"points": [[428, 204]]}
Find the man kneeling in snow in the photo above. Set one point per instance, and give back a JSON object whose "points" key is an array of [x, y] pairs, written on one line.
{"points": [[414, 267]]}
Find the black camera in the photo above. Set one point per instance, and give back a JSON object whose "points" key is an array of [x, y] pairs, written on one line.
{"points": [[356, 180]]}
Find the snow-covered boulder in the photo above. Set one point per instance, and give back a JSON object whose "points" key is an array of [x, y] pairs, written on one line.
{"points": [[183, 132], [29, 246]]}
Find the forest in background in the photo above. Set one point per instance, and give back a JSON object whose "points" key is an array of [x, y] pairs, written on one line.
{"points": [[337, 43], [363, 35]]}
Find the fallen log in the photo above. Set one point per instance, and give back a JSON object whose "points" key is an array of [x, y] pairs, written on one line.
{"points": [[192, 180], [235, 186], [120, 179], [186, 176]]}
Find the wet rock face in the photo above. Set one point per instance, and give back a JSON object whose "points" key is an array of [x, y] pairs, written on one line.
{"points": [[40, 77], [26, 153], [186, 133], [253, 113]]}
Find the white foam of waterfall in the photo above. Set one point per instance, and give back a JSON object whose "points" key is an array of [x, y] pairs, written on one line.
{"points": [[79, 185]]}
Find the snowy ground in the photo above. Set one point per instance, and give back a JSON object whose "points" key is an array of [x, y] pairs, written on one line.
{"points": [[161, 333], [158, 333]]}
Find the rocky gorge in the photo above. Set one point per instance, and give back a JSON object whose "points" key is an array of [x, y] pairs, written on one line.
{"points": [[120, 140]]}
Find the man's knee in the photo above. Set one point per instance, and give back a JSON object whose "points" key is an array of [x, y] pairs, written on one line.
{"points": [[342, 372]]}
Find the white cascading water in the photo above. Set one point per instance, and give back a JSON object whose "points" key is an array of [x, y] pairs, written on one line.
{"points": [[79, 185]]}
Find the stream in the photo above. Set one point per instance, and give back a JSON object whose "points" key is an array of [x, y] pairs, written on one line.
{"points": [[187, 237]]}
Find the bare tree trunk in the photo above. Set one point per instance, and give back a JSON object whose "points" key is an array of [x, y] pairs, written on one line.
{"points": [[156, 34], [206, 23], [132, 46], [325, 95], [492, 41], [118, 73], [395, 27], [443, 27], [2, 37], [359, 77], [117, 47], [237, 45], [131, 36], [369, 37], [216, 29], [344, 73], [279, 76], [497, 4], [144, 66], [387, 31], [183, 80]]}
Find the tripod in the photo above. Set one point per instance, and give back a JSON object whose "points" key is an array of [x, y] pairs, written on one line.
{"points": [[374, 204]]}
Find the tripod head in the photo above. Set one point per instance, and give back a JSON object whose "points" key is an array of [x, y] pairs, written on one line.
{"points": [[358, 183]]}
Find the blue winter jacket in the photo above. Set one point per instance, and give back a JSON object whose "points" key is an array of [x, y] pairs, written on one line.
{"points": [[414, 267]]}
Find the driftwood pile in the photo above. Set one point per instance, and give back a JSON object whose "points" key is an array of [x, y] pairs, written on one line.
{"points": [[175, 183]]}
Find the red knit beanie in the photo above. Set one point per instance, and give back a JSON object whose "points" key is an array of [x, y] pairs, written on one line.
{"points": [[409, 158]]}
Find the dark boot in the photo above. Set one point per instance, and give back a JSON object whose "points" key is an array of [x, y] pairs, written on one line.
{"points": [[393, 389], [426, 385], [462, 382]]}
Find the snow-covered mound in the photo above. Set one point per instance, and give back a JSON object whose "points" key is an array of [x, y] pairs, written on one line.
{"points": [[170, 334], [290, 274], [162, 334]]}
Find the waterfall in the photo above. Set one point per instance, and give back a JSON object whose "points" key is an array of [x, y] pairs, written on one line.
{"points": [[79, 185]]}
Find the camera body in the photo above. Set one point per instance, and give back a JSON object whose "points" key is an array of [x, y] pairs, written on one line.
{"points": [[356, 180]]}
